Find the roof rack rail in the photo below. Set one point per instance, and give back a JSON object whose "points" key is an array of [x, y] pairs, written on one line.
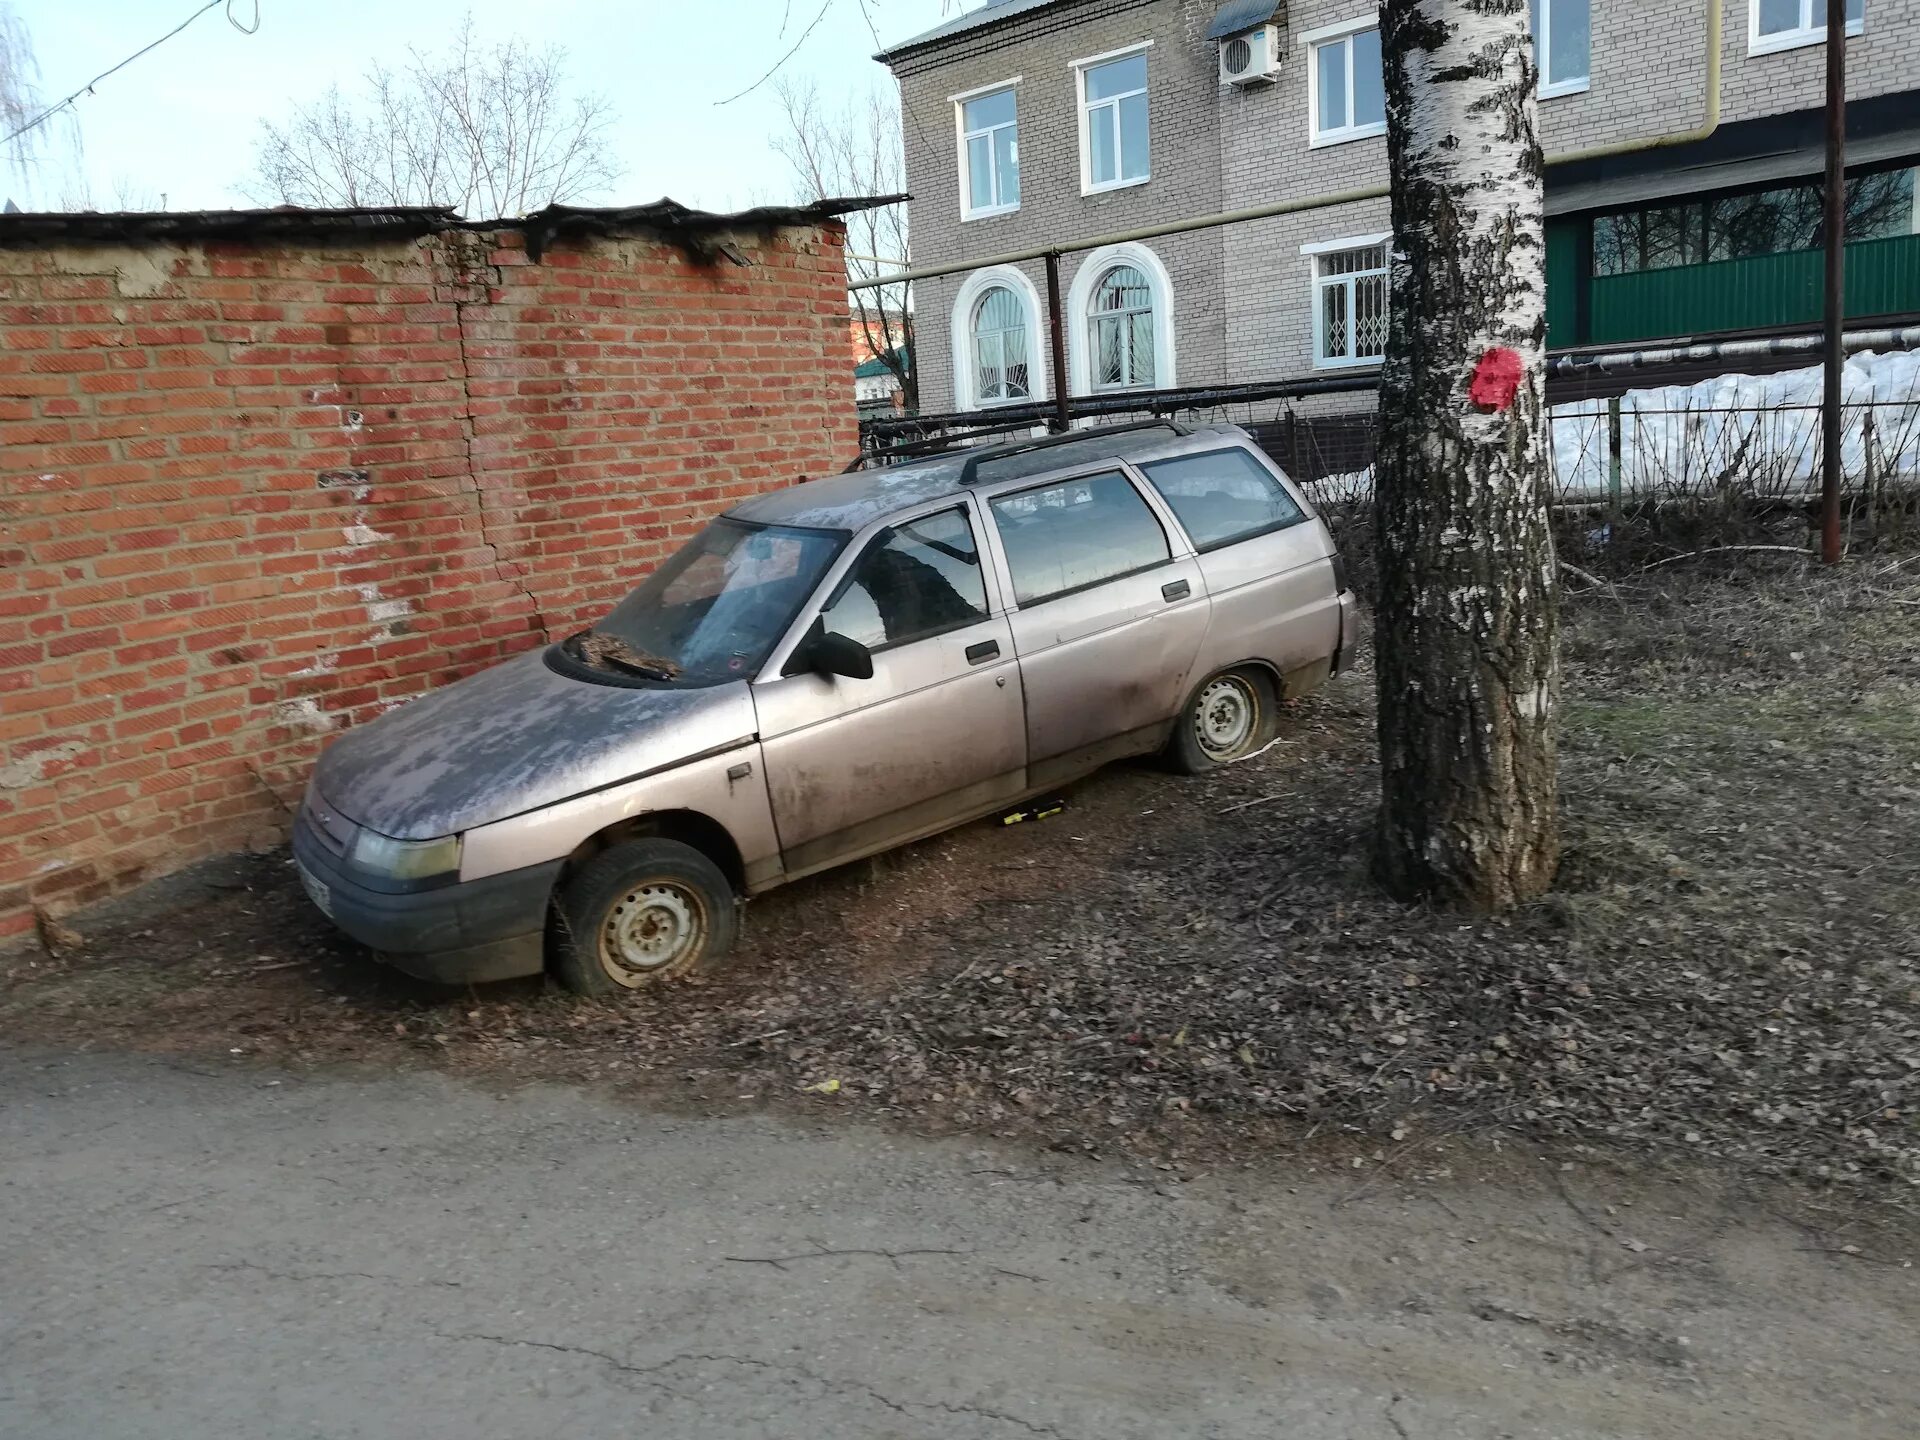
{"points": [[1046, 442]]}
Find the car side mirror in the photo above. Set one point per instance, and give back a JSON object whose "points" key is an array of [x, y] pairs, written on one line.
{"points": [[833, 654]]}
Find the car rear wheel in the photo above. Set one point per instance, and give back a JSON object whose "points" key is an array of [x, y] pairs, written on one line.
{"points": [[1229, 717], [639, 913]]}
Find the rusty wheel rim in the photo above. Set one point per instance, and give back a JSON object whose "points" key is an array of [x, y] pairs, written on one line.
{"points": [[650, 930], [1226, 717]]}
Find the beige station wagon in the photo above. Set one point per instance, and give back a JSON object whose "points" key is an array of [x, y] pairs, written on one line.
{"points": [[827, 671]]}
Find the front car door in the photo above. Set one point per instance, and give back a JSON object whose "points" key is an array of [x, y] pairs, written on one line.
{"points": [[935, 737], [1268, 568], [1109, 611]]}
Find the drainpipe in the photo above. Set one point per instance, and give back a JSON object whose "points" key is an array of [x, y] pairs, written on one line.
{"points": [[1900, 338], [1709, 124]]}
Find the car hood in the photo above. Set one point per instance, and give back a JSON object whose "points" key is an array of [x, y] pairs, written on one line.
{"points": [[515, 738]]}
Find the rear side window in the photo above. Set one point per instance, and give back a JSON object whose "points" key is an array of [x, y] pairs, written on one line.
{"points": [[1077, 533], [918, 579], [1223, 496]]}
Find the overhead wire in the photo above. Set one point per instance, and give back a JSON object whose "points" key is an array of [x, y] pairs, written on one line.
{"points": [[87, 89]]}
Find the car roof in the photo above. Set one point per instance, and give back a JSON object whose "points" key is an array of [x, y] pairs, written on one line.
{"points": [[858, 498]]}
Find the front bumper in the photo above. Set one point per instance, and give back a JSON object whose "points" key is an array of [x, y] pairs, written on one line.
{"points": [[461, 934]]}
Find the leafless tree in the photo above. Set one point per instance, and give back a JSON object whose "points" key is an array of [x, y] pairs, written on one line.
{"points": [[124, 193], [855, 150], [1466, 627], [490, 130], [26, 150]]}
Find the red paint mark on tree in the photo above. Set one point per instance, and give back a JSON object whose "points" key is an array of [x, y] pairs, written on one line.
{"points": [[1496, 379]]}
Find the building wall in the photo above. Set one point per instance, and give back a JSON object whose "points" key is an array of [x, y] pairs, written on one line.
{"points": [[1182, 123], [1648, 77], [249, 497]]}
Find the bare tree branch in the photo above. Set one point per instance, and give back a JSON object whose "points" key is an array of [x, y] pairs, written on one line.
{"points": [[856, 151], [29, 146], [476, 128], [774, 69]]}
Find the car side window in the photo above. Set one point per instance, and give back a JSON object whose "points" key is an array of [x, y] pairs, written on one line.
{"points": [[917, 579], [1077, 533], [1223, 496]]}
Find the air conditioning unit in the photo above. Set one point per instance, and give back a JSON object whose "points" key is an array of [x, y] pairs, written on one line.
{"points": [[1252, 57]]}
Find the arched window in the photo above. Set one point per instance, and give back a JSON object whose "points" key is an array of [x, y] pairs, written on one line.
{"points": [[1120, 322], [1121, 316], [1001, 372], [994, 331]]}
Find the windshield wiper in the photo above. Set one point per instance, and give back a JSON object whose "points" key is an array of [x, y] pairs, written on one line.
{"points": [[596, 647]]}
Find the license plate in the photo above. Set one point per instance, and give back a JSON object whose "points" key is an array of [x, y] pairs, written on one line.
{"points": [[316, 889]]}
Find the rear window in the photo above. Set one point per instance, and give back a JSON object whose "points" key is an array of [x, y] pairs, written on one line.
{"points": [[1077, 533], [1223, 496]]}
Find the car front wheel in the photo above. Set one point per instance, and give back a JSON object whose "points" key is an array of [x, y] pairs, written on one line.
{"points": [[638, 913], [1230, 716]]}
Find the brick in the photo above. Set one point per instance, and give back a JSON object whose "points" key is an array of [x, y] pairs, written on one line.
{"points": [[191, 547]]}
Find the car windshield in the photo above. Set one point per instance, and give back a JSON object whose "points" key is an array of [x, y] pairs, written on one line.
{"points": [[714, 611]]}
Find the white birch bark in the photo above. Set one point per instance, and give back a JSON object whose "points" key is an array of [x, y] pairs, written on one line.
{"points": [[1466, 627]]}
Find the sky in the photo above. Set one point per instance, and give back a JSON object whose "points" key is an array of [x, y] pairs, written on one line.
{"points": [[180, 123]]}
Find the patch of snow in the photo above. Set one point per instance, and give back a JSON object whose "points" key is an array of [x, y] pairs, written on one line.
{"points": [[1760, 432]]}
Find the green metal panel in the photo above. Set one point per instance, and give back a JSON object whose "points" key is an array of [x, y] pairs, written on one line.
{"points": [[1566, 236], [1883, 277]]}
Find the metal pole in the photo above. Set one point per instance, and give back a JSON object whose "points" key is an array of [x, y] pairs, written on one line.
{"points": [[1613, 459], [1057, 342], [1836, 237]]}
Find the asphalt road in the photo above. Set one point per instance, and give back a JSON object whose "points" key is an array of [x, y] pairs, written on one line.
{"points": [[202, 1248]]}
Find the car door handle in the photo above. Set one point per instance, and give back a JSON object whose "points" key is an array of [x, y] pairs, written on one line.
{"points": [[1176, 590], [986, 650]]}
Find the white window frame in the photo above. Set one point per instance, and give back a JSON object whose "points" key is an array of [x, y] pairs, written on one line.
{"points": [[1542, 48], [1316, 282], [1079, 315], [1081, 107], [1811, 31], [1311, 42], [972, 290], [961, 135]]}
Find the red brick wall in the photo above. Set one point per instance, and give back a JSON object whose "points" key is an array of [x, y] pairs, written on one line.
{"points": [[251, 496]]}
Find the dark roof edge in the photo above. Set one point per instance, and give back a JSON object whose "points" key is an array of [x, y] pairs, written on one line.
{"points": [[665, 216], [926, 53], [970, 23]]}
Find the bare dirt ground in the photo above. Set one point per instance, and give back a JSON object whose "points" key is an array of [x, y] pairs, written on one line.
{"points": [[1728, 976]]}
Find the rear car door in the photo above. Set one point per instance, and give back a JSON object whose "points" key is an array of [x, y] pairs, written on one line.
{"points": [[936, 736], [1267, 566], [1109, 609]]}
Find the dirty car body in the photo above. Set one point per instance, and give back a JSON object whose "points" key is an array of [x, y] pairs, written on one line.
{"points": [[832, 670]]}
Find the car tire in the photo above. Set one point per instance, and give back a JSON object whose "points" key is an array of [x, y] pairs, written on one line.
{"points": [[1230, 716], [639, 913]]}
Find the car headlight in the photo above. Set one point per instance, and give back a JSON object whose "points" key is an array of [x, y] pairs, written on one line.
{"points": [[407, 859]]}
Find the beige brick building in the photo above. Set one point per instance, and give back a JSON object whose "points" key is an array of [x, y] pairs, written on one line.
{"points": [[1046, 122]]}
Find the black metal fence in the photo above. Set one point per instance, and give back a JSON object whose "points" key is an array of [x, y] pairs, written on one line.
{"points": [[1315, 429], [1758, 441]]}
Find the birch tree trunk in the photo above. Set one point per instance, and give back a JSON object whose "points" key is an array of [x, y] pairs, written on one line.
{"points": [[1467, 628]]}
